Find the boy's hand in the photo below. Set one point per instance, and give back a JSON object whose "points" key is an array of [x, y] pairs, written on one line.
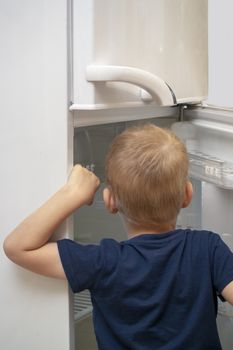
{"points": [[82, 186]]}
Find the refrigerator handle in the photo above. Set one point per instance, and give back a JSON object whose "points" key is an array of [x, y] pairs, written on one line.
{"points": [[158, 90]]}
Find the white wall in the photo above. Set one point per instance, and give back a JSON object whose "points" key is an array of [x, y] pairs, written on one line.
{"points": [[34, 162], [220, 53]]}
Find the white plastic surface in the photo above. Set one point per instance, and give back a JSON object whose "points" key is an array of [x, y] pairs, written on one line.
{"points": [[207, 163], [209, 168], [34, 163], [220, 53], [82, 305], [155, 86], [167, 39]]}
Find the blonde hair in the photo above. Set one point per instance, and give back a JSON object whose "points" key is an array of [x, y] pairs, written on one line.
{"points": [[147, 169]]}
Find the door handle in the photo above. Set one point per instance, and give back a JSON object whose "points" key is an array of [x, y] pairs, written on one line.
{"points": [[158, 89]]}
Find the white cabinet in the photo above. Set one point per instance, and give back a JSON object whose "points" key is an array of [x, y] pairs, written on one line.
{"points": [[133, 52]]}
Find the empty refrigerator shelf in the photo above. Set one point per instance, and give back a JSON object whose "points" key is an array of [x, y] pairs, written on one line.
{"points": [[82, 305], [210, 169]]}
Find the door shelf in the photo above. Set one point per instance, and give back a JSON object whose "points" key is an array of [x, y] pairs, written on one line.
{"points": [[82, 305], [210, 169]]}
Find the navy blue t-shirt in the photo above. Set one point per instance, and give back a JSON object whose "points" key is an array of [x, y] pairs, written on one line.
{"points": [[153, 291]]}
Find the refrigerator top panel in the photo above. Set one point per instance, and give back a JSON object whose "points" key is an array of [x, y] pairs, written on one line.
{"points": [[131, 53]]}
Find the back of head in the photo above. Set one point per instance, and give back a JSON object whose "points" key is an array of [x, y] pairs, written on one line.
{"points": [[147, 169]]}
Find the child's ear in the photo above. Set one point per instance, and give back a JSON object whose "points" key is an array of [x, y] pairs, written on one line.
{"points": [[188, 194], [109, 200]]}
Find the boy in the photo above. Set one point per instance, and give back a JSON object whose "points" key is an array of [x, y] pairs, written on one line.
{"points": [[156, 290]]}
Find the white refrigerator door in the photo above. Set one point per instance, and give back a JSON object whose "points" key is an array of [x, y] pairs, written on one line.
{"points": [[138, 52], [208, 135], [34, 163]]}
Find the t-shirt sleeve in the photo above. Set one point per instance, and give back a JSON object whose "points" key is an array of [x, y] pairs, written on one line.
{"points": [[83, 264], [222, 263]]}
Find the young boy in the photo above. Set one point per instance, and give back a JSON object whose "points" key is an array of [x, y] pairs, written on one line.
{"points": [[156, 290]]}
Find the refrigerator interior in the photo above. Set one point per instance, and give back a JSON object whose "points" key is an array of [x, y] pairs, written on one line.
{"points": [[209, 143], [211, 208], [92, 223]]}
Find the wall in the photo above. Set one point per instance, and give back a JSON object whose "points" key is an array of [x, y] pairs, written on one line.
{"points": [[34, 162], [220, 53]]}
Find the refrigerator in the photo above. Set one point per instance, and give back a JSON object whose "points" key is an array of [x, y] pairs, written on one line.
{"points": [[74, 75], [207, 133]]}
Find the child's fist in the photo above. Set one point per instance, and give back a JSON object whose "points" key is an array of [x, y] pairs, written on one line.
{"points": [[82, 184]]}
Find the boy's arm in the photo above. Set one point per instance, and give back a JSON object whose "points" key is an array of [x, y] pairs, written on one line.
{"points": [[27, 245], [227, 293]]}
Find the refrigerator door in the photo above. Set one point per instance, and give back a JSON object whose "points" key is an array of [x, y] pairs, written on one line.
{"points": [[138, 52], [208, 135]]}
